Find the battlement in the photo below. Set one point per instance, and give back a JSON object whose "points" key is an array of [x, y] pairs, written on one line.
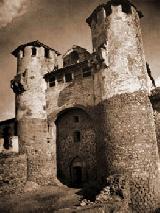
{"points": [[113, 11], [85, 68], [68, 74], [107, 8], [34, 48]]}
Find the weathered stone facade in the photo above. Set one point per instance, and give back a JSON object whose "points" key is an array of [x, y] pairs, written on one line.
{"points": [[92, 118], [76, 147], [13, 173]]}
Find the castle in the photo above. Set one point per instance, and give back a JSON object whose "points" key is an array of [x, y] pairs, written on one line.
{"points": [[92, 118]]}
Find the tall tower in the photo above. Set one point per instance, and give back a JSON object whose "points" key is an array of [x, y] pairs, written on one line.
{"points": [[127, 115], [34, 59]]}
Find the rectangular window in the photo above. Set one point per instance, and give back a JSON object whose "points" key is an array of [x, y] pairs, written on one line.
{"points": [[34, 51], [46, 53], [68, 77], [77, 136], [86, 72], [60, 78], [76, 119], [52, 81], [64, 63]]}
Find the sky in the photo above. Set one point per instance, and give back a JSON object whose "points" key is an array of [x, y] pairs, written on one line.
{"points": [[60, 24]]}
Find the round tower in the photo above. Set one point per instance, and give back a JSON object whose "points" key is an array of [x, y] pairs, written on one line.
{"points": [[34, 59], [127, 115]]}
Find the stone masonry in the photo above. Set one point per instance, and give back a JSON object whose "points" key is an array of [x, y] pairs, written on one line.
{"points": [[94, 118]]}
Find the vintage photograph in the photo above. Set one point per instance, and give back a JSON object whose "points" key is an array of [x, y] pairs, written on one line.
{"points": [[80, 106]]}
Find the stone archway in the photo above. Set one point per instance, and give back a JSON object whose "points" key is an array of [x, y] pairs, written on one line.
{"points": [[75, 137], [77, 172]]}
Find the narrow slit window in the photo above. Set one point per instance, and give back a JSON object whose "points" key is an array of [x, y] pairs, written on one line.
{"points": [[46, 53], [34, 51], [64, 63], [68, 77], [86, 72], [52, 81], [77, 136]]}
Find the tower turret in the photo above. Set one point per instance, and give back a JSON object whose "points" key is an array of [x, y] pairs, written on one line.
{"points": [[34, 59], [129, 144]]}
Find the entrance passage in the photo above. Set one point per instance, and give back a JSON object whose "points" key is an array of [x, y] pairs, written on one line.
{"points": [[77, 176], [76, 147]]}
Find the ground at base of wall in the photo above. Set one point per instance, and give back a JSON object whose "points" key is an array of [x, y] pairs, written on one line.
{"points": [[56, 199], [44, 199], [51, 199]]}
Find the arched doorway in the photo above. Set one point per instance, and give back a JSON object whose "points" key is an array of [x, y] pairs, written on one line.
{"points": [[76, 147]]}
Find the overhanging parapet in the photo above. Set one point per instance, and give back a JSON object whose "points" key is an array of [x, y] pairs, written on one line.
{"points": [[126, 7]]}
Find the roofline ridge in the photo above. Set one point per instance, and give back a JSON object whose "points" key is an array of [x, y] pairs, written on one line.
{"points": [[14, 52]]}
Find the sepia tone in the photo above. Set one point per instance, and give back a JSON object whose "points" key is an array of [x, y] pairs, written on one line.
{"points": [[96, 119]]}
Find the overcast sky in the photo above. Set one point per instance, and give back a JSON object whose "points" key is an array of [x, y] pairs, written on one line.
{"points": [[60, 24]]}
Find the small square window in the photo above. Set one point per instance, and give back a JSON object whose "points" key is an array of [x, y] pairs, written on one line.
{"points": [[77, 136], [76, 119]]}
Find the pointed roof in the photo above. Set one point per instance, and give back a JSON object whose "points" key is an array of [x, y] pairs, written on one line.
{"points": [[35, 44]]}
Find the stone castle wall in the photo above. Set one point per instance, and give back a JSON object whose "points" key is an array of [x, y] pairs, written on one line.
{"points": [[155, 100], [70, 150], [129, 137], [13, 173], [40, 150], [33, 131], [80, 92], [111, 100], [77, 97], [131, 147]]}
